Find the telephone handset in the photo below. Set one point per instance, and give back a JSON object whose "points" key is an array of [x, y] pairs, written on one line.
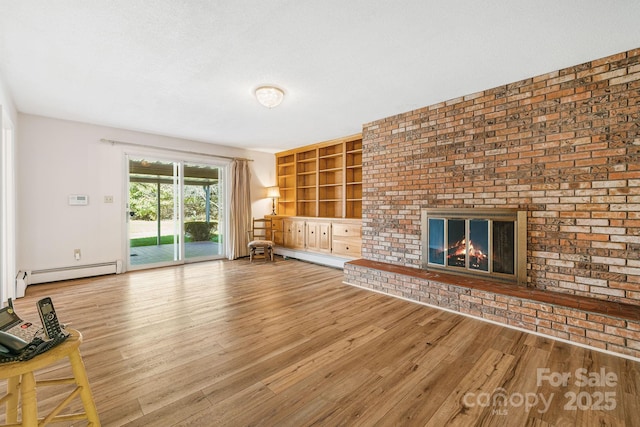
{"points": [[49, 318], [11, 343]]}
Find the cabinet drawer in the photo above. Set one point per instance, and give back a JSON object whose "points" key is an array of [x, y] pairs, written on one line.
{"points": [[347, 248], [276, 225], [346, 230]]}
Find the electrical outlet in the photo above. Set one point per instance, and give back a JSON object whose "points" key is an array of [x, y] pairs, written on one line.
{"points": [[108, 199], [76, 254]]}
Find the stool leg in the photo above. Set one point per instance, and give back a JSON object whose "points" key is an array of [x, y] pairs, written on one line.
{"points": [[80, 375], [29, 403], [13, 390]]}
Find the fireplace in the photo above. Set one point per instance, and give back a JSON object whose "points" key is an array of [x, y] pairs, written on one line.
{"points": [[478, 242]]}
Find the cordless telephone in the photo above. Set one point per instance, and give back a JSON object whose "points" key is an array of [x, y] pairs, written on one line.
{"points": [[49, 318], [21, 340]]}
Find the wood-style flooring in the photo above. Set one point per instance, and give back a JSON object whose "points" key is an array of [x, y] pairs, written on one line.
{"points": [[288, 344]]}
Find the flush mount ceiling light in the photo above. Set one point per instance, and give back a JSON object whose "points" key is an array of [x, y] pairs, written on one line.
{"points": [[269, 96]]}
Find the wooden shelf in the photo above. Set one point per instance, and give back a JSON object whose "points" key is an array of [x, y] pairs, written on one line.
{"points": [[331, 149], [325, 179], [330, 163]]}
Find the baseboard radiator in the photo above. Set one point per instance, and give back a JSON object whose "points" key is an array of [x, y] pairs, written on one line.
{"points": [[73, 272]]}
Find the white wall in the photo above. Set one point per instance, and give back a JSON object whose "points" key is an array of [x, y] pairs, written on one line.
{"points": [[57, 158], [7, 103], [8, 119]]}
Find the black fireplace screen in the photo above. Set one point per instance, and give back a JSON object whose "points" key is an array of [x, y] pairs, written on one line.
{"points": [[466, 241]]}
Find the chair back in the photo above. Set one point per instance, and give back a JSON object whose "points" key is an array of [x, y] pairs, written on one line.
{"points": [[260, 229]]}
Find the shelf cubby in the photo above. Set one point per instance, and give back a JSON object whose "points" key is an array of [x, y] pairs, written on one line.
{"points": [[306, 208]]}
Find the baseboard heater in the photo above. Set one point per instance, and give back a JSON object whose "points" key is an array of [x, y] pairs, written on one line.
{"points": [[73, 272]]}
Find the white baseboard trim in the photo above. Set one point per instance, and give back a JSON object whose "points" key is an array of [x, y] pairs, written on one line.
{"points": [[318, 258]]}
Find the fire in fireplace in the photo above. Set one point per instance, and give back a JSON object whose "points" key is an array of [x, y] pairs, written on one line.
{"points": [[476, 241]]}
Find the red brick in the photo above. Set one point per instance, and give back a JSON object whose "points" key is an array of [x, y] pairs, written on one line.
{"points": [[522, 145]]}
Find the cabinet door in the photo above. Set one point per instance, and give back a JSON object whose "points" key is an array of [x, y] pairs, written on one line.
{"points": [[288, 233], [294, 234], [312, 236], [324, 235], [319, 236], [277, 231], [299, 237]]}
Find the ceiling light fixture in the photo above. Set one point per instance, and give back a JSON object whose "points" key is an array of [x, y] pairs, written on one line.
{"points": [[269, 96]]}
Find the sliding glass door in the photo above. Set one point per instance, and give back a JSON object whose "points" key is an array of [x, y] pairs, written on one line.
{"points": [[174, 212], [202, 211]]}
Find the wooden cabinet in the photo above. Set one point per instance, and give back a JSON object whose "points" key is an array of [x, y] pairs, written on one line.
{"points": [[322, 180], [346, 239], [341, 238]]}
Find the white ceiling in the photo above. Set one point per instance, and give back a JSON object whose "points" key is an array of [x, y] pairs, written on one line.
{"points": [[188, 68]]}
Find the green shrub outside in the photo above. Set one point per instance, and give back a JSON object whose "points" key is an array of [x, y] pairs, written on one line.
{"points": [[198, 231]]}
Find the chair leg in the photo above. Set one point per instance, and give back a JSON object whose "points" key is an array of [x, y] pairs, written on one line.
{"points": [[13, 392], [28, 396], [80, 375]]}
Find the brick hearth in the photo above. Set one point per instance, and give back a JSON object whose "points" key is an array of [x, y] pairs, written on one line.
{"points": [[601, 324]]}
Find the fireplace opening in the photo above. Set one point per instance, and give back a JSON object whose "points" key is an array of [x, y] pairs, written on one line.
{"points": [[482, 242]]}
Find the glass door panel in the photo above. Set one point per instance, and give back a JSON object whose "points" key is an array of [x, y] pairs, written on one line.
{"points": [[203, 227], [154, 212]]}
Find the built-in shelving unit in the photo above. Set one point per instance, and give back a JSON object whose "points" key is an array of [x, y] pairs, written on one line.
{"points": [[286, 170], [322, 180]]}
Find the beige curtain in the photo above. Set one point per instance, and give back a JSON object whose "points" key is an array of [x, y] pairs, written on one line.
{"points": [[240, 209]]}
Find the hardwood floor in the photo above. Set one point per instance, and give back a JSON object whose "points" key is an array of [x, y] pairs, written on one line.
{"points": [[287, 344]]}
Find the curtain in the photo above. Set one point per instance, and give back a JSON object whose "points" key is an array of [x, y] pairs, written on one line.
{"points": [[240, 208]]}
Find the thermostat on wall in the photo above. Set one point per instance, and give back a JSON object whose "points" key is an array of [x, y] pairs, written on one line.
{"points": [[78, 199]]}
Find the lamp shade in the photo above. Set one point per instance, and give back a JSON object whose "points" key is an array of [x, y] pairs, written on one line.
{"points": [[273, 192], [269, 96]]}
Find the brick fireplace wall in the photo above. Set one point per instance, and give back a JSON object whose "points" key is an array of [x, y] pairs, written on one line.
{"points": [[565, 146]]}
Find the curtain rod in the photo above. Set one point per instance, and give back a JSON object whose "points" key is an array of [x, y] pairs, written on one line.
{"points": [[133, 144]]}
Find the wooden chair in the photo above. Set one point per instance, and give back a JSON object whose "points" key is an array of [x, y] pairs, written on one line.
{"points": [[260, 240], [21, 387]]}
